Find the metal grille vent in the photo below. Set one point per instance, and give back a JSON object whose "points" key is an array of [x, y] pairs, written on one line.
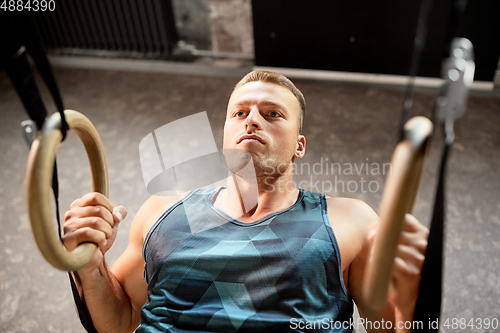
{"points": [[129, 28]]}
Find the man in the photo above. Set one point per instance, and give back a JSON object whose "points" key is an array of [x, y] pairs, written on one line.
{"points": [[290, 259]]}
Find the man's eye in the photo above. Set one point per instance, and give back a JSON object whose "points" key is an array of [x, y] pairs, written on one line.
{"points": [[273, 114], [239, 114]]}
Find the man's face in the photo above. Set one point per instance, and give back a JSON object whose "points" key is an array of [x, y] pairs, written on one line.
{"points": [[263, 119]]}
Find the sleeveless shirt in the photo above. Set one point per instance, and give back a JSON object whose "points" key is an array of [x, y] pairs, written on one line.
{"points": [[207, 272]]}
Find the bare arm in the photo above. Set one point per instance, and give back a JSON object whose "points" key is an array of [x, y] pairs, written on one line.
{"points": [[114, 296], [366, 220], [109, 305], [355, 225]]}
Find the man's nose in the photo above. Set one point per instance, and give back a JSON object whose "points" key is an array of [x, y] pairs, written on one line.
{"points": [[253, 121]]}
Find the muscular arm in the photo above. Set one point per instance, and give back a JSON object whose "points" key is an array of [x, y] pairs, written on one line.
{"points": [[115, 296], [364, 219], [352, 221], [108, 304]]}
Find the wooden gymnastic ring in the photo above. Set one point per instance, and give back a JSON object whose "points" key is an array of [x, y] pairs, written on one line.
{"points": [[399, 197], [39, 180]]}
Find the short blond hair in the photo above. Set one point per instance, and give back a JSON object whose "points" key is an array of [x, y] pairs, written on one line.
{"points": [[281, 80]]}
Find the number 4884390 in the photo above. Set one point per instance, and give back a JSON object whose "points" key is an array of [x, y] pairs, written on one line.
{"points": [[28, 5]]}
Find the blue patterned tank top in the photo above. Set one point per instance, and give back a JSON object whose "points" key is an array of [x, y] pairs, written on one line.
{"points": [[207, 272]]}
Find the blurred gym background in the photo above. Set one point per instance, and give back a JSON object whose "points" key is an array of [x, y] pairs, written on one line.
{"points": [[131, 66]]}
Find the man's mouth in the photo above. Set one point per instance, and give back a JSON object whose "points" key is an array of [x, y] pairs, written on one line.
{"points": [[251, 138]]}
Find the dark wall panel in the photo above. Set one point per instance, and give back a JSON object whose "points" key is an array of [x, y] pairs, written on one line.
{"points": [[368, 36]]}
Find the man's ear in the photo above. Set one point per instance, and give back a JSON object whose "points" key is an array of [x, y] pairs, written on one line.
{"points": [[300, 149]]}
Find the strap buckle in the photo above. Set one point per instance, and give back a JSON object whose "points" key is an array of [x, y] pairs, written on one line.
{"points": [[29, 131], [458, 73]]}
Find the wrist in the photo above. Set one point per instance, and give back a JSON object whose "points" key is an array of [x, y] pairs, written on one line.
{"points": [[406, 311], [403, 316], [87, 277]]}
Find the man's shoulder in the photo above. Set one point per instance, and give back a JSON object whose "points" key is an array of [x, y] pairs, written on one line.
{"points": [[162, 201], [354, 212], [350, 220], [152, 209], [350, 205]]}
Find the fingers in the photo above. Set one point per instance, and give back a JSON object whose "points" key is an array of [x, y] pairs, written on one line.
{"points": [[406, 280], [411, 224], [119, 213], [408, 263], [414, 234], [93, 199], [411, 257], [92, 218], [89, 211], [406, 274], [409, 260], [372, 230], [92, 222], [416, 241], [84, 235], [411, 246]]}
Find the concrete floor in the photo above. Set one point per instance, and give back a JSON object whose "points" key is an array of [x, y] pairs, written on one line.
{"points": [[344, 123]]}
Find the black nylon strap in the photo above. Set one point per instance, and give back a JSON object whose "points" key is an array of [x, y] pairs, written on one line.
{"points": [[418, 47], [83, 312], [36, 50], [22, 79], [18, 34], [19, 37], [428, 307]]}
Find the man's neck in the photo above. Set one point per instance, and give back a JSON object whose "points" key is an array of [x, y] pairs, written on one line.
{"points": [[248, 200]]}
